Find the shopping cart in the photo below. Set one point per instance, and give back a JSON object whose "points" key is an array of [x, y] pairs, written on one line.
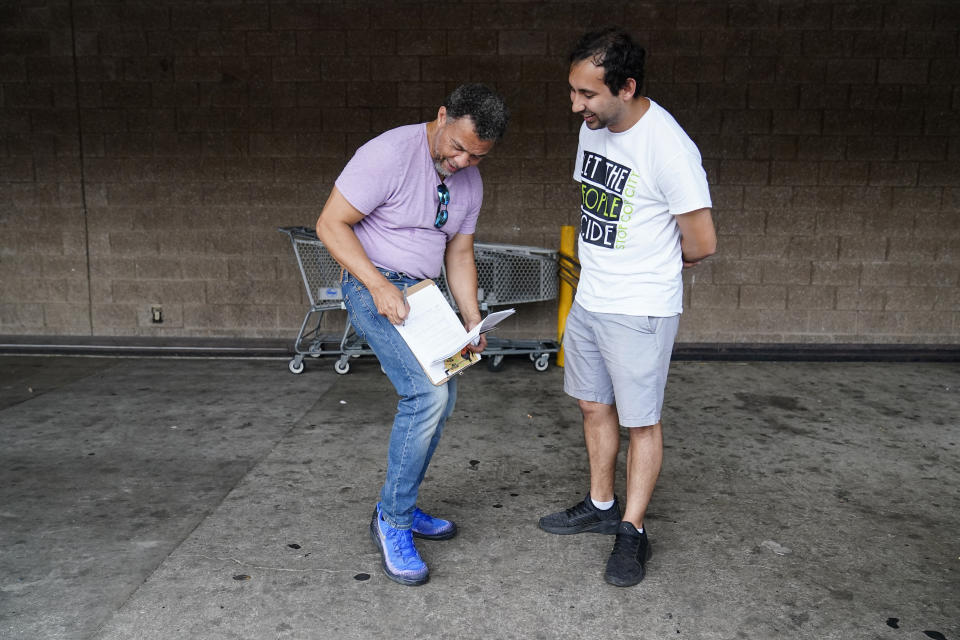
{"points": [[509, 274], [506, 275], [321, 277]]}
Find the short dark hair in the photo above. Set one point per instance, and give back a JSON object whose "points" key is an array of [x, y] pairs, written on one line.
{"points": [[482, 105], [615, 51]]}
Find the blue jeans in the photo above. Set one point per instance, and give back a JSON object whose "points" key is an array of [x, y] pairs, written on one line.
{"points": [[423, 408]]}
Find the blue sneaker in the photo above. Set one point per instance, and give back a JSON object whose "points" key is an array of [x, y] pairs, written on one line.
{"points": [[430, 528], [401, 562]]}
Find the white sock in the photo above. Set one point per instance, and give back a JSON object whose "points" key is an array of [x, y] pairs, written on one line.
{"points": [[603, 506]]}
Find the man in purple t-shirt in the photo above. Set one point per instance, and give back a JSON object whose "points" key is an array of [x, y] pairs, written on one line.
{"points": [[404, 206]]}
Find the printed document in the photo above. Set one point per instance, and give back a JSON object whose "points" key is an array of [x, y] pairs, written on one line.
{"points": [[435, 334]]}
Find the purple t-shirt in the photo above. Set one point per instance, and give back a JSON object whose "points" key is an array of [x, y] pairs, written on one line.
{"points": [[392, 180]]}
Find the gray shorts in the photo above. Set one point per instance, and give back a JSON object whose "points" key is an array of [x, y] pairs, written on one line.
{"points": [[619, 359]]}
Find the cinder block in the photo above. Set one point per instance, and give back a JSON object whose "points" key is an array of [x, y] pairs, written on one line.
{"points": [[912, 250], [712, 146], [473, 42], [848, 121], [817, 198], [801, 69], [221, 43], [908, 71], [536, 171], [842, 223], [905, 122], [763, 197], [271, 43], [320, 94], [807, 17], [864, 248], [123, 44], [351, 69], [786, 272], [811, 297], [176, 144], [396, 70], [945, 123], [844, 173], [706, 296], [692, 67], [885, 274], [793, 222], [796, 173], [772, 95], [298, 120], [900, 174], [162, 43], [763, 297], [750, 70], [745, 221], [944, 71], [859, 298], [744, 172], [915, 298], [66, 318], [491, 69], [26, 290], [835, 273], [175, 94], [871, 148], [857, 17], [946, 174], [727, 271], [16, 316], [748, 121], [929, 44]]}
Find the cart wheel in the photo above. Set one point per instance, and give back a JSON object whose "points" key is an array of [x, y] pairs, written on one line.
{"points": [[495, 363], [341, 366], [295, 365], [533, 356], [542, 362]]}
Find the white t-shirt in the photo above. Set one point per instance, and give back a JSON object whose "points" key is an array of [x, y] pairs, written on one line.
{"points": [[632, 183]]}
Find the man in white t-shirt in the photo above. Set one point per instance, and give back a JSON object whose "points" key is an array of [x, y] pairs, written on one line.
{"points": [[644, 215]]}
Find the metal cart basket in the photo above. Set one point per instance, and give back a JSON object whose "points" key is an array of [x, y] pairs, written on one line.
{"points": [[507, 275], [510, 274]]}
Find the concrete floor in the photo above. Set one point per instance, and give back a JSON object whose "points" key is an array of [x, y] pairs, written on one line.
{"points": [[215, 499]]}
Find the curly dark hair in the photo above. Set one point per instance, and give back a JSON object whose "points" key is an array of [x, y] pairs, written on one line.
{"points": [[482, 105], [614, 50]]}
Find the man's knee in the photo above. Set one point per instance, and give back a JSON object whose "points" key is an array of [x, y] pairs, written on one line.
{"points": [[589, 407]]}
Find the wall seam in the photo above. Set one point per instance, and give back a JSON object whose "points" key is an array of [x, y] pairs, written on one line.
{"points": [[83, 173]]}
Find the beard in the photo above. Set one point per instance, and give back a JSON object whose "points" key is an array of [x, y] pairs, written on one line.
{"points": [[441, 170], [440, 165]]}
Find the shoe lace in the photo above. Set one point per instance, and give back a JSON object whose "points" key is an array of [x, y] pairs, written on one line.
{"points": [[579, 509], [403, 544], [622, 546]]}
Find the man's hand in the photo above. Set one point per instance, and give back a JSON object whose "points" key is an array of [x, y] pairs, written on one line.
{"points": [[481, 339], [390, 302]]}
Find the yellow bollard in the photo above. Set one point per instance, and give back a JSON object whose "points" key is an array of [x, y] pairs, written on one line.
{"points": [[568, 248]]}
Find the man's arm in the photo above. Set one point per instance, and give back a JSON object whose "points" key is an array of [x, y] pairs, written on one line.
{"points": [[698, 238], [462, 280], [335, 230]]}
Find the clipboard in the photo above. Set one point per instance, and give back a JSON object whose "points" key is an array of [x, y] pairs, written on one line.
{"points": [[435, 334]]}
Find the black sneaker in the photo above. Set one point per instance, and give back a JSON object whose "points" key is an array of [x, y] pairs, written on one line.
{"points": [[583, 517], [631, 550]]}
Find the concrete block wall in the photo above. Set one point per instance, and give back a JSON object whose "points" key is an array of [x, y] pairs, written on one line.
{"points": [[148, 151]]}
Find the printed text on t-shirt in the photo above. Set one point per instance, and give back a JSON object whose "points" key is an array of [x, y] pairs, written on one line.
{"points": [[601, 197]]}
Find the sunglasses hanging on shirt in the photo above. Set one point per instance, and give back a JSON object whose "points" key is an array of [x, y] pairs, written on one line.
{"points": [[443, 193]]}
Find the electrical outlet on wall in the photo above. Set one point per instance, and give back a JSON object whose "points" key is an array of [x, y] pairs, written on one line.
{"points": [[156, 314]]}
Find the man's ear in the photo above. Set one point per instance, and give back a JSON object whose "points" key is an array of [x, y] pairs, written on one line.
{"points": [[442, 116], [629, 90]]}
